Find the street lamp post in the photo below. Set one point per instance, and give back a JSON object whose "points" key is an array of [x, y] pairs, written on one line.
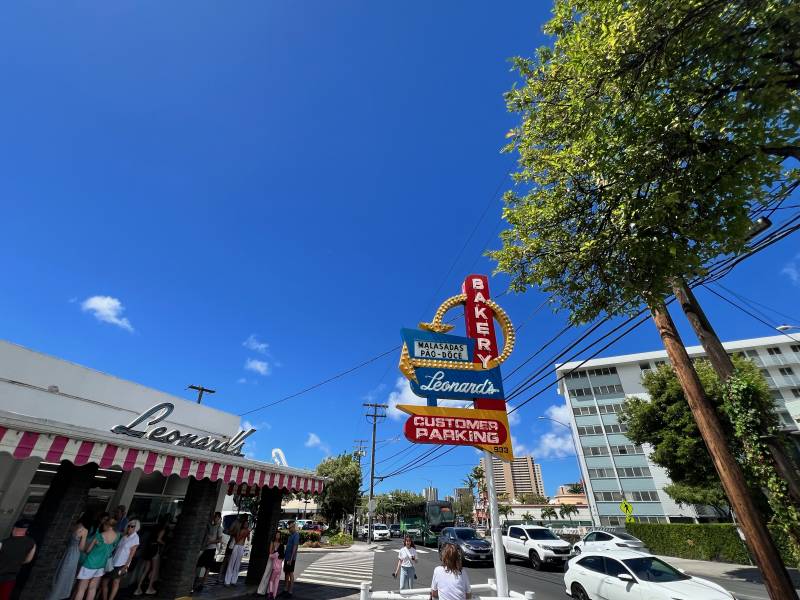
{"points": [[578, 459]]}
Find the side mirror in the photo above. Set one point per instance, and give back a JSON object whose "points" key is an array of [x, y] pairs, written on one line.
{"points": [[625, 577]]}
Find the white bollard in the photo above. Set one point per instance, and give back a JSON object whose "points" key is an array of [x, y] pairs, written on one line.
{"points": [[364, 590]]}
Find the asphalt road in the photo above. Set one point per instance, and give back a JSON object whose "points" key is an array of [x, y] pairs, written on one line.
{"points": [[548, 584]]}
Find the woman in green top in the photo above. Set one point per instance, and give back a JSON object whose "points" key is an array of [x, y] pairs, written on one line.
{"points": [[97, 553]]}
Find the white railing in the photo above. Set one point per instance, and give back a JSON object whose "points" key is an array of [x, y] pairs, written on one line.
{"points": [[425, 593]]}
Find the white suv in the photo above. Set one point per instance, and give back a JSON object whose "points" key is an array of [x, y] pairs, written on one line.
{"points": [[539, 545], [380, 532]]}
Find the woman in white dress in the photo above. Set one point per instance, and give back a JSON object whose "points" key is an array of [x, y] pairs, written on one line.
{"points": [[406, 557]]}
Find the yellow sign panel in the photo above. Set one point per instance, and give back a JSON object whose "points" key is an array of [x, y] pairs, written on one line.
{"points": [[486, 429], [626, 507]]}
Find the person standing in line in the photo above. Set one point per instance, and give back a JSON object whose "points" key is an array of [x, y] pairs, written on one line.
{"points": [[272, 574], [235, 562], [122, 519], [289, 559], [99, 550], [17, 550], [152, 557], [406, 558], [232, 532], [450, 581], [64, 580], [208, 559], [121, 559]]}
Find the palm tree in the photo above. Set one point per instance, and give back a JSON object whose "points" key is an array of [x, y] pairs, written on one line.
{"points": [[575, 488], [527, 517], [504, 510], [567, 510], [548, 512]]}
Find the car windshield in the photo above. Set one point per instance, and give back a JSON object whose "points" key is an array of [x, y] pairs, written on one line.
{"points": [[625, 536], [380, 526], [541, 534], [466, 534], [653, 569]]}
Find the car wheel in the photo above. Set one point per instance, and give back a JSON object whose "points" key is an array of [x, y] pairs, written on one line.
{"points": [[536, 561], [577, 549], [578, 593]]}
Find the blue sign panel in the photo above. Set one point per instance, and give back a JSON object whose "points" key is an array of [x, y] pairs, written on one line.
{"points": [[442, 382]]}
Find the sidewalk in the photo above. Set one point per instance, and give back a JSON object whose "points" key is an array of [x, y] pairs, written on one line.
{"points": [[704, 568], [355, 547], [302, 591]]}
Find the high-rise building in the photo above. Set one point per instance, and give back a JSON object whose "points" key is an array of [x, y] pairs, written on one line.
{"points": [[518, 477], [612, 466], [431, 494]]}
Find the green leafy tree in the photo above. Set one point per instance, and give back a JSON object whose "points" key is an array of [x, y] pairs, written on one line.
{"points": [[504, 510], [341, 491], [527, 517], [567, 510], [463, 506], [531, 498], [713, 496], [548, 512], [575, 488]]}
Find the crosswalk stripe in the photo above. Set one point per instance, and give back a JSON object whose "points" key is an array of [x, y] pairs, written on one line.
{"points": [[345, 570]]}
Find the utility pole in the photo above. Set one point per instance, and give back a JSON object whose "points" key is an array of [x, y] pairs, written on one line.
{"points": [[776, 578], [378, 412], [723, 365], [201, 389], [359, 453]]}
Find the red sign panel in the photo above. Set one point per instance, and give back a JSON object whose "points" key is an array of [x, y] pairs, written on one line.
{"points": [[465, 431], [480, 326]]}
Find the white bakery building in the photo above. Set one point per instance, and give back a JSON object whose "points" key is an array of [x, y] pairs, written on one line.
{"points": [[74, 439]]}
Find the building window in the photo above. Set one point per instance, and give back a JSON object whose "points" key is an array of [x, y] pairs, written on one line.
{"points": [[581, 411], [796, 348], [576, 374], [651, 519], [796, 392], [785, 417], [582, 392], [773, 351], [595, 451], [634, 472], [602, 371], [608, 496], [605, 390], [642, 496], [590, 430], [612, 521], [644, 366], [776, 394], [601, 473], [616, 428], [610, 409], [626, 449], [786, 371]]}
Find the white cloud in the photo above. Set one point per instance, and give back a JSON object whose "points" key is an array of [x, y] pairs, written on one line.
{"points": [[313, 441], [556, 443], [792, 270], [257, 366], [514, 418], [520, 449], [402, 394], [241, 380], [252, 343], [107, 309]]}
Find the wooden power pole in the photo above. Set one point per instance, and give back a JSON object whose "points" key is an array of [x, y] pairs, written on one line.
{"points": [[766, 555], [378, 412]]}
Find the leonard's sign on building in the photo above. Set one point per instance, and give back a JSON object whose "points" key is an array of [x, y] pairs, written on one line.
{"points": [[440, 366]]}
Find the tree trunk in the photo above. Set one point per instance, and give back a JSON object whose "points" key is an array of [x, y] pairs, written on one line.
{"points": [[776, 578], [723, 365]]}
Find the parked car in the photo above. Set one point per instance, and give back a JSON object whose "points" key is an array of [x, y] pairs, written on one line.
{"points": [[394, 530], [595, 541], [628, 574], [471, 546], [539, 545], [312, 526], [380, 532], [363, 530]]}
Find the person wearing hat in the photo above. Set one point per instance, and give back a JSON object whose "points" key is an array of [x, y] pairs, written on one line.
{"points": [[16, 551]]}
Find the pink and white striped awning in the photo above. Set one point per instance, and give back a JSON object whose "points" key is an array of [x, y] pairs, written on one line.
{"points": [[54, 448]]}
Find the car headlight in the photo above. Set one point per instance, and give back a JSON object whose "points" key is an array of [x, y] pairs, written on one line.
{"points": [[551, 548]]}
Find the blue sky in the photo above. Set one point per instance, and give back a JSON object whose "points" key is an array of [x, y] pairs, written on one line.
{"points": [[258, 197]]}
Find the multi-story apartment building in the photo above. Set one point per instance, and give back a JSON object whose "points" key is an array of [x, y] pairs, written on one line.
{"points": [[517, 477], [612, 466]]}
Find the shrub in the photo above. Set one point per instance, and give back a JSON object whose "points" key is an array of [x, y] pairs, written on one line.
{"points": [[305, 536], [341, 539], [718, 541]]}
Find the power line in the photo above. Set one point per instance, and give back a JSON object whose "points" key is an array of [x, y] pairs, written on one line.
{"points": [[750, 302], [747, 312]]}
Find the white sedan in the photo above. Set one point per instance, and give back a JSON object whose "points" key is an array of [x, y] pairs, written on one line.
{"points": [[595, 541], [380, 532], [631, 575]]}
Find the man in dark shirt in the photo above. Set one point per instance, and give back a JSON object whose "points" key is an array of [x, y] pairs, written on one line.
{"points": [[16, 551]]}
